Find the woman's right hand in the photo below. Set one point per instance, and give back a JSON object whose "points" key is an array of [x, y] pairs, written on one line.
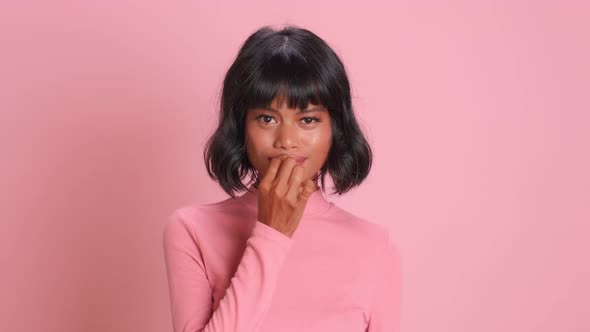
{"points": [[283, 195]]}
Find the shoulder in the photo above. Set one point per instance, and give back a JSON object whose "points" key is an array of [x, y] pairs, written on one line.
{"points": [[189, 218], [371, 232], [203, 221]]}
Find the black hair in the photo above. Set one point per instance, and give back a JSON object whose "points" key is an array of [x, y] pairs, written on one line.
{"points": [[295, 64]]}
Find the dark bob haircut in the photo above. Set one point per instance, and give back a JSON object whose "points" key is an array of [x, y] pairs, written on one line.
{"points": [[296, 65]]}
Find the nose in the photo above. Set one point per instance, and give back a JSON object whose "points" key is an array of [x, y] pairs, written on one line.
{"points": [[287, 137]]}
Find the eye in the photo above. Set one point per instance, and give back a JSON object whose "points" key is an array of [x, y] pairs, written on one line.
{"points": [[306, 120], [313, 119], [264, 116]]}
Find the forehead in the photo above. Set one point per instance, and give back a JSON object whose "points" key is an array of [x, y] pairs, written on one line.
{"points": [[281, 106]]}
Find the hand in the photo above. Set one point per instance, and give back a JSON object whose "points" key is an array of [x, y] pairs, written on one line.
{"points": [[283, 195]]}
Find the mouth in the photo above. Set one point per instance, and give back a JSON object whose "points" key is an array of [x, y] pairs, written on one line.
{"points": [[301, 160], [298, 159]]}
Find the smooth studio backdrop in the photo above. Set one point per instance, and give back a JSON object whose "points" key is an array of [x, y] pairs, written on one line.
{"points": [[478, 113]]}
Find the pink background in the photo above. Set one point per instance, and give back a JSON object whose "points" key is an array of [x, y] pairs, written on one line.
{"points": [[478, 114]]}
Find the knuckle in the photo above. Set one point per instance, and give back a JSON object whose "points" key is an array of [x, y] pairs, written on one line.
{"points": [[297, 176], [263, 187], [291, 204]]}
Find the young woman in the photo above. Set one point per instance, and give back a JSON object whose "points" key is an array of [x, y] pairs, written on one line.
{"points": [[281, 257]]}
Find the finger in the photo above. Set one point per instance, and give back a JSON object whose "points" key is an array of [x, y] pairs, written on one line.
{"points": [[270, 174], [280, 159], [294, 183], [283, 175]]}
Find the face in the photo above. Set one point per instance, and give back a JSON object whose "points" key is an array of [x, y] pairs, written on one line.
{"points": [[303, 134]]}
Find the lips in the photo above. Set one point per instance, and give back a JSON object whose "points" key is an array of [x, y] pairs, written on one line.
{"points": [[299, 159]]}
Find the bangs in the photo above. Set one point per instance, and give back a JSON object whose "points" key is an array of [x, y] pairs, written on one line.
{"points": [[288, 79]]}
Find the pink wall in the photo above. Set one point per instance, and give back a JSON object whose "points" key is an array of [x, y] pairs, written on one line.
{"points": [[478, 115]]}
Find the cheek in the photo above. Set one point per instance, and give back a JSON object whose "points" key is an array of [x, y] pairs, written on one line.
{"points": [[257, 143], [320, 140]]}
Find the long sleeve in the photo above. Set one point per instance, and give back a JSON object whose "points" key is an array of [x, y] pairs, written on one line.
{"points": [[249, 294], [386, 304]]}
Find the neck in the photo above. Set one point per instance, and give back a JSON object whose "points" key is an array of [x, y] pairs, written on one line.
{"points": [[317, 204]]}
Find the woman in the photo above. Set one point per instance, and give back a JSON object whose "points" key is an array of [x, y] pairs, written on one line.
{"points": [[281, 257]]}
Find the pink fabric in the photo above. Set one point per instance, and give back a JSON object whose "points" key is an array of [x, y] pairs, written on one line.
{"points": [[228, 272]]}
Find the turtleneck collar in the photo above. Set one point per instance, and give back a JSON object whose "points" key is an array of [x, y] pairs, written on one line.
{"points": [[317, 204]]}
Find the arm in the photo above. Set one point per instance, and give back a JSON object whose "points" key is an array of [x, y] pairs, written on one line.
{"points": [[249, 294], [385, 313]]}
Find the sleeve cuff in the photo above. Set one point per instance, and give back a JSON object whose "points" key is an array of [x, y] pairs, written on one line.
{"points": [[269, 233]]}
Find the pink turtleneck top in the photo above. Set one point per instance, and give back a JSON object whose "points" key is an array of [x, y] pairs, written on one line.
{"points": [[229, 272]]}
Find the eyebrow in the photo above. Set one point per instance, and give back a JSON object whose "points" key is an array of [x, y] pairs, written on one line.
{"points": [[309, 110]]}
